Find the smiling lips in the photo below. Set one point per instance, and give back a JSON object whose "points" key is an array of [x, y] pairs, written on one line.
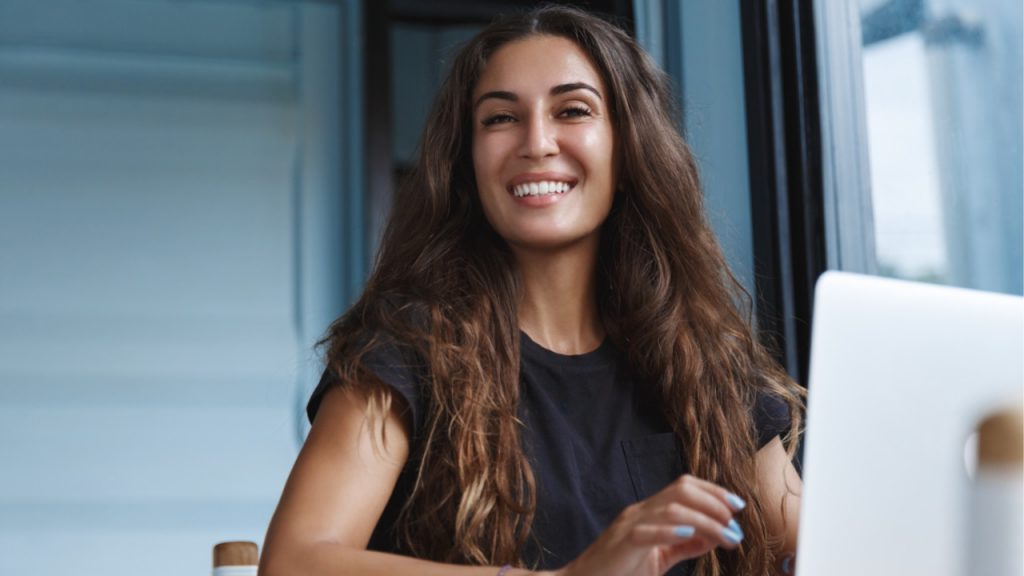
{"points": [[541, 184], [542, 188]]}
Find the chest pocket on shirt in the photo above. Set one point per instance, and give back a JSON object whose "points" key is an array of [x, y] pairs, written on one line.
{"points": [[653, 462]]}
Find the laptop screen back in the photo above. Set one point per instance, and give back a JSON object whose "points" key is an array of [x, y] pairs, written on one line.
{"points": [[900, 375]]}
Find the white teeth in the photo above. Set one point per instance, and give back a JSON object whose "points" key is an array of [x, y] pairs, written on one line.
{"points": [[540, 188]]}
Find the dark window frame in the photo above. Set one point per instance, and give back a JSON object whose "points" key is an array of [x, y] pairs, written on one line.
{"points": [[787, 191]]}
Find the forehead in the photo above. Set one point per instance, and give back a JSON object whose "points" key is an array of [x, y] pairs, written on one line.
{"points": [[537, 62]]}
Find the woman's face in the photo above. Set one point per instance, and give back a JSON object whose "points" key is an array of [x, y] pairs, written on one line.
{"points": [[543, 146]]}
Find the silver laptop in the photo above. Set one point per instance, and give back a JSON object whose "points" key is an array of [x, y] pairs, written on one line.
{"points": [[900, 374]]}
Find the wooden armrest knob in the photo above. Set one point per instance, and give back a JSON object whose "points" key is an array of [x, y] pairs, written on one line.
{"points": [[235, 554]]}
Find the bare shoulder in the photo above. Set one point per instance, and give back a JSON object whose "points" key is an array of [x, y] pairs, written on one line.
{"points": [[345, 422]]}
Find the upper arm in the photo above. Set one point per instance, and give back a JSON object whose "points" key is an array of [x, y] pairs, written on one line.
{"points": [[778, 489], [342, 478]]}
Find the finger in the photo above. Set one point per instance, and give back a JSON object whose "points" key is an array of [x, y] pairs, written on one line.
{"points": [[695, 493], [731, 500], [788, 564], [662, 534], [675, 542], [728, 534], [686, 550]]}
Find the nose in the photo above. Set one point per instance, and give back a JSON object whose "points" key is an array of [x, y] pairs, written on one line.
{"points": [[539, 138]]}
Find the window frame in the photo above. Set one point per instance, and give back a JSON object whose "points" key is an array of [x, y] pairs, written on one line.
{"points": [[788, 167]]}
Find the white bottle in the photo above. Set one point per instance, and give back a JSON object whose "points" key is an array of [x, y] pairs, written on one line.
{"points": [[996, 531], [235, 559]]}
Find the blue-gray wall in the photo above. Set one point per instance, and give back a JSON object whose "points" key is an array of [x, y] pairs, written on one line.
{"points": [[174, 225]]}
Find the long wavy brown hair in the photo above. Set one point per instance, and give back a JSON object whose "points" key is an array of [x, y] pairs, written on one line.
{"points": [[446, 286]]}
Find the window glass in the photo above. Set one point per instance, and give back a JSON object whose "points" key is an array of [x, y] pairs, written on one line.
{"points": [[700, 45], [942, 103]]}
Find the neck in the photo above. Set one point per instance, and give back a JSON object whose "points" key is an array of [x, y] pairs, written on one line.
{"points": [[558, 308]]}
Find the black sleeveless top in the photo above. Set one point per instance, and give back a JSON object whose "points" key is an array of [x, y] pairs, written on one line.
{"points": [[595, 442]]}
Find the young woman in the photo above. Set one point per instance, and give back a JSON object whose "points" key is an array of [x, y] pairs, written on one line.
{"points": [[548, 370]]}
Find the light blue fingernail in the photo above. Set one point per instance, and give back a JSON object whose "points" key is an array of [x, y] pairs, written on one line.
{"points": [[735, 527], [684, 531], [787, 564], [731, 536], [736, 502]]}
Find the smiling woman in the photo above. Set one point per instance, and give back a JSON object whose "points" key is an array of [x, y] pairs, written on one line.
{"points": [[548, 370]]}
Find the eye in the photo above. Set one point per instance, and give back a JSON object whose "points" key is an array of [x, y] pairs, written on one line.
{"points": [[499, 118], [576, 111]]}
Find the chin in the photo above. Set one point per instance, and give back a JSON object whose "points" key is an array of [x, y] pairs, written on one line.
{"points": [[546, 241]]}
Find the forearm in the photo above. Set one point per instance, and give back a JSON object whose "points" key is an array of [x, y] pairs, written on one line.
{"points": [[329, 559], [779, 488]]}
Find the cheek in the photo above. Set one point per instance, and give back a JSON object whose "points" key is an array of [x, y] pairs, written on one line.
{"points": [[484, 171], [602, 170], [486, 162], [596, 145], [478, 165]]}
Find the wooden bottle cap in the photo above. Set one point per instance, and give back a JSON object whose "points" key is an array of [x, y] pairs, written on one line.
{"points": [[1001, 439], [235, 554]]}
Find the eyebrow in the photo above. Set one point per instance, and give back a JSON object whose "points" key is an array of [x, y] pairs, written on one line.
{"points": [[555, 91], [563, 88]]}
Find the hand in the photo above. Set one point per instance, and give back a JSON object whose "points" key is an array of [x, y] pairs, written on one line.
{"points": [[687, 519]]}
